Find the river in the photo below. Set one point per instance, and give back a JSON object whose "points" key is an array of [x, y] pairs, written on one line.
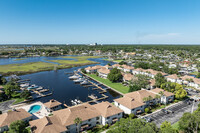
{"points": [[64, 90]]}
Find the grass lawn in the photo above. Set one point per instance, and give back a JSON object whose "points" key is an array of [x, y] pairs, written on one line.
{"points": [[175, 125], [18, 100], [117, 86]]}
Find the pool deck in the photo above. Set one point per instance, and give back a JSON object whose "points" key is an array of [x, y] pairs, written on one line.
{"points": [[40, 114]]}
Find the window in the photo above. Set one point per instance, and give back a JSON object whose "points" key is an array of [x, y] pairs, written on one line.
{"points": [[119, 114], [89, 119], [97, 118], [108, 117]]}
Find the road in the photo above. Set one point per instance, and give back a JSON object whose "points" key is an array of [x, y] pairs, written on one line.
{"points": [[5, 106]]}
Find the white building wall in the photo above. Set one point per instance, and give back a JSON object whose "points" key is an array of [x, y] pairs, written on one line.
{"points": [[109, 120], [125, 109]]}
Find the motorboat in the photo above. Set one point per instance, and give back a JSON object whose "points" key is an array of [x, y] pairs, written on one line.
{"points": [[79, 80], [84, 82], [74, 77], [24, 85], [32, 87]]}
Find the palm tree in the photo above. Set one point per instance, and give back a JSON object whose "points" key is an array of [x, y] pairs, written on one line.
{"points": [[77, 121], [145, 99], [161, 93], [158, 96], [150, 98]]}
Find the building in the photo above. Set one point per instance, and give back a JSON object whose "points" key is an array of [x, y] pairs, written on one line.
{"points": [[109, 113], [174, 78], [126, 68], [63, 119], [7, 118], [167, 97], [103, 72], [53, 105], [127, 77], [93, 69], [136, 102], [91, 115]]}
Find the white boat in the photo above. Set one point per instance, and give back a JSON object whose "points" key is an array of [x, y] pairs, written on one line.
{"points": [[84, 82], [79, 80], [74, 77], [24, 85]]}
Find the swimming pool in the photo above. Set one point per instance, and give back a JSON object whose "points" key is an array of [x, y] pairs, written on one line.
{"points": [[34, 109]]}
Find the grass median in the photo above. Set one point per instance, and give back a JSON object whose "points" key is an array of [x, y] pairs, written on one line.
{"points": [[117, 86]]}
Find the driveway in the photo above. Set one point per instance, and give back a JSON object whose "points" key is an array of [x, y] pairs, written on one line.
{"points": [[5, 106]]}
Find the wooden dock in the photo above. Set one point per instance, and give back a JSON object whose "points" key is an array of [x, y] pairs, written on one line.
{"points": [[94, 99]]}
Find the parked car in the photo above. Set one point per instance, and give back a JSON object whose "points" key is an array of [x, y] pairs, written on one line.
{"points": [[147, 119], [165, 111], [170, 110]]}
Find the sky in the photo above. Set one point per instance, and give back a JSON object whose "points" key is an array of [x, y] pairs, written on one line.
{"points": [[101, 21]]}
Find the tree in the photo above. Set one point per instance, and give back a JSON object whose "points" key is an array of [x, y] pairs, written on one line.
{"points": [[115, 75], [160, 79], [198, 75], [146, 110], [109, 64], [167, 128], [3, 80], [122, 63], [180, 94], [133, 126], [134, 87], [187, 123], [18, 126], [83, 70], [25, 94], [9, 89], [132, 116], [78, 121], [140, 81]]}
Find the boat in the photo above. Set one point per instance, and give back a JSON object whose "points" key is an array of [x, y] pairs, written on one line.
{"points": [[79, 80], [33, 87], [74, 77], [24, 85], [84, 82]]}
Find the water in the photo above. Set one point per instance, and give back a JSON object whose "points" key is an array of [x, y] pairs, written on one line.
{"points": [[34, 109], [6, 61], [65, 90]]}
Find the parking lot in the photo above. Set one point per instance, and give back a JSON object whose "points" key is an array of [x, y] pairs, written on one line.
{"points": [[179, 109]]}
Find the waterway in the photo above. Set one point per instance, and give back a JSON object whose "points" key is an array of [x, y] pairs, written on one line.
{"points": [[64, 89]]}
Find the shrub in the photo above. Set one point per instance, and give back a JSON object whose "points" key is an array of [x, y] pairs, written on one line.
{"points": [[146, 110]]}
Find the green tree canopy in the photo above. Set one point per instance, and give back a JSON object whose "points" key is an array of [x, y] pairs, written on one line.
{"points": [[115, 75], [160, 79], [18, 127]]}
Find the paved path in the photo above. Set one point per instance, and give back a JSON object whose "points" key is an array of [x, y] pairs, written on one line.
{"points": [[5, 106]]}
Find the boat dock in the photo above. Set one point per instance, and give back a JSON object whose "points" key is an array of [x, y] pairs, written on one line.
{"points": [[95, 99]]}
